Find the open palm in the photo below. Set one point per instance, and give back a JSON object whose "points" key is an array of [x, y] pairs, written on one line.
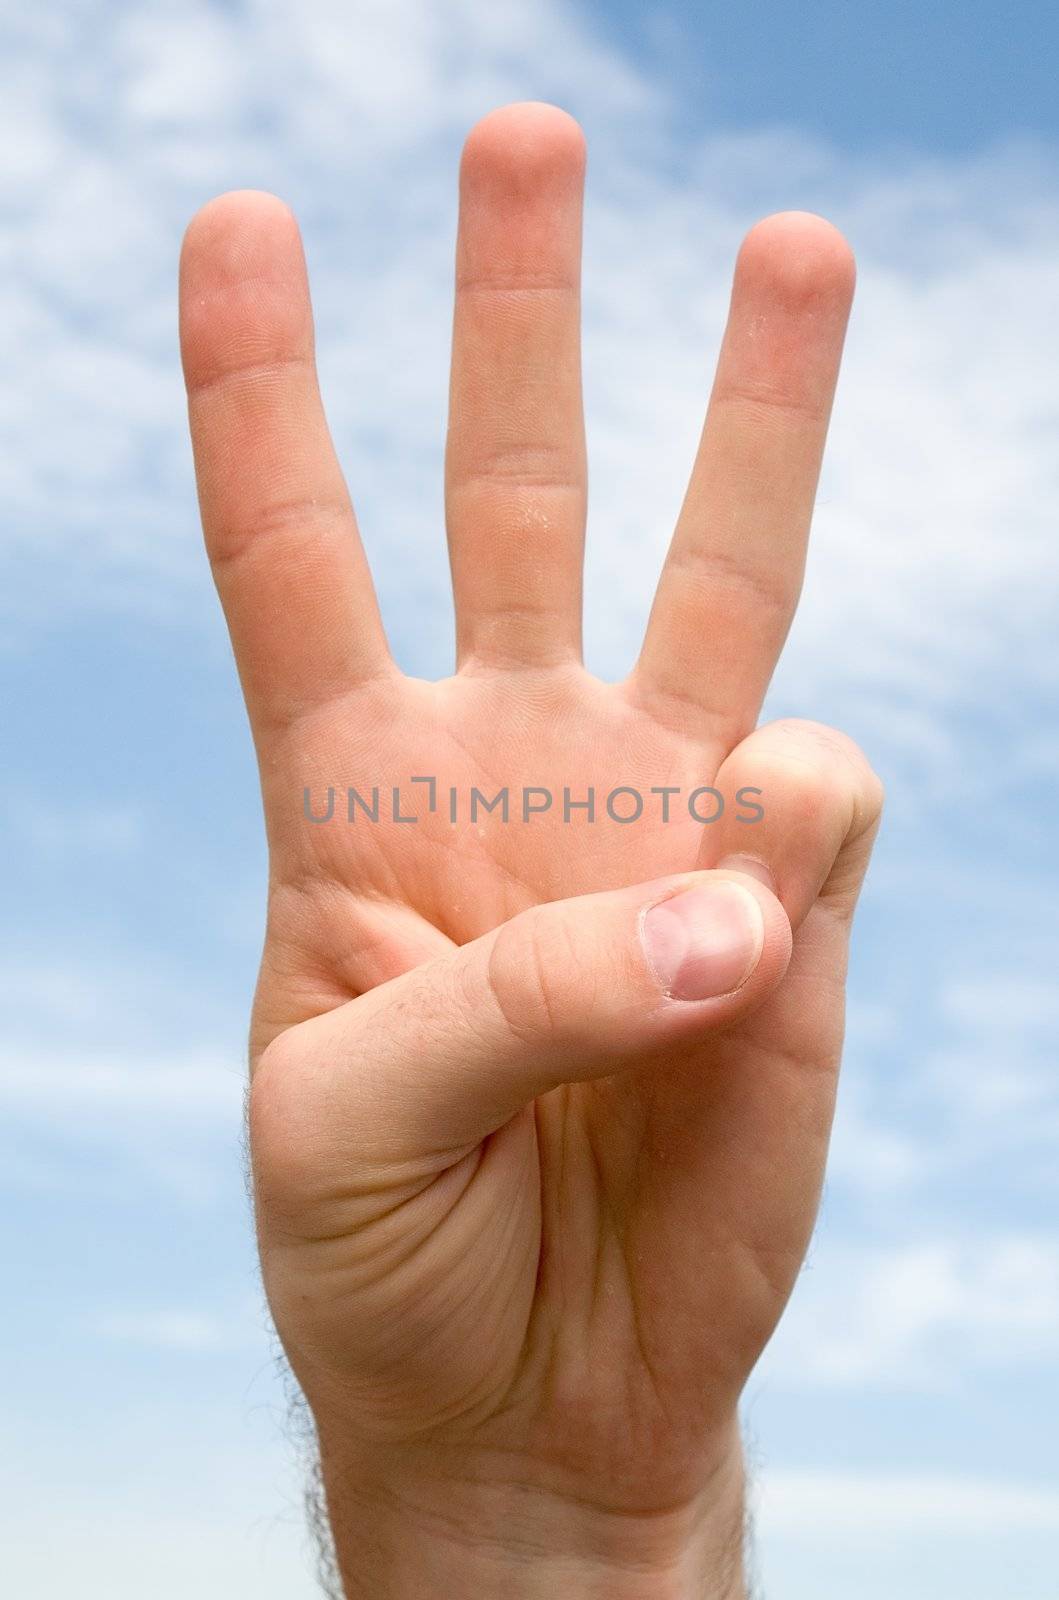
{"points": [[590, 1279]]}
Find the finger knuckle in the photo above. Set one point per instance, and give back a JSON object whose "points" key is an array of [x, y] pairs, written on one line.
{"points": [[533, 977], [830, 766]]}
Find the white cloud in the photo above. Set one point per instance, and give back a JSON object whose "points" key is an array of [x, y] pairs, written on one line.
{"points": [[1002, 1001], [873, 1151], [934, 574], [69, 1086], [831, 1505], [925, 1314], [56, 832], [928, 621], [916, 1533], [183, 1329], [104, 1554], [177, 1330], [951, 1081], [98, 1124], [933, 578]]}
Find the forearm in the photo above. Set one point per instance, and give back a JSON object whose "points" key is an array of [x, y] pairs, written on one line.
{"points": [[399, 1538]]}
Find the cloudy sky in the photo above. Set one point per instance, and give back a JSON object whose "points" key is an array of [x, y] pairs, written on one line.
{"points": [[902, 1427]]}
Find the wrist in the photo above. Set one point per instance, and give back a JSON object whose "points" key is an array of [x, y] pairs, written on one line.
{"points": [[400, 1533]]}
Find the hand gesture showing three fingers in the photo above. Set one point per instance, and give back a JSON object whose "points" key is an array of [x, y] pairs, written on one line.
{"points": [[540, 1104]]}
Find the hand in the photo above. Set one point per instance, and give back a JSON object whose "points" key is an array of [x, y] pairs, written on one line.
{"points": [[537, 1142]]}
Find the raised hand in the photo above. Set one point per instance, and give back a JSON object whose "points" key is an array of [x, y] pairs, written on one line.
{"points": [[540, 1104]]}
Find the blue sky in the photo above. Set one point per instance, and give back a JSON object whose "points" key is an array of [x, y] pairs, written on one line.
{"points": [[901, 1423], [877, 76]]}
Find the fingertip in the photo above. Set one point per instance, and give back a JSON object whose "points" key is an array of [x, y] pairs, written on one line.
{"points": [[244, 289], [750, 866], [704, 942], [721, 937], [799, 256], [524, 145], [236, 234]]}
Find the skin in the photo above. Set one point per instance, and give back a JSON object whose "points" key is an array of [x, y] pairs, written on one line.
{"points": [[526, 1218]]}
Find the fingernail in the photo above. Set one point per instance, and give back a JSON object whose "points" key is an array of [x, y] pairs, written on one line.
{"points": [[752, 867], [705, 941]]}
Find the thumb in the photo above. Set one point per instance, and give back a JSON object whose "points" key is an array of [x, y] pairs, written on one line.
{"points": [[426, 1066]]}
